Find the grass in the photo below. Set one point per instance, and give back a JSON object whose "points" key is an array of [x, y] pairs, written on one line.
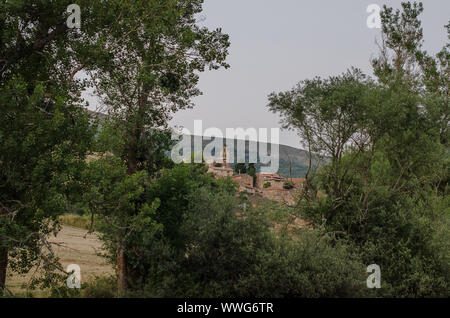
{"points": [[73, 245], [78, 221]]}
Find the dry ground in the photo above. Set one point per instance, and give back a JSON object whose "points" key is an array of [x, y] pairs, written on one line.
{"points": [[75, 246]]}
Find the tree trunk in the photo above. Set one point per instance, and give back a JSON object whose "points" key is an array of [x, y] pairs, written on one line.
{"points": [[134, 135], [132, 159], [3, 267], [122, 279]]}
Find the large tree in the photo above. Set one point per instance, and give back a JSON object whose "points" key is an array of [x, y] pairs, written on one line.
{"points": [[156, 50], [44, 130], [383, 188], [328, 114]]}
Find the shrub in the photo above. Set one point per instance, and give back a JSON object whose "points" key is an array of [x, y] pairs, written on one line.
{"points": [[100, 287], [267, 185], [231, 255], [288, 185], [173, 188], [310, 266]]}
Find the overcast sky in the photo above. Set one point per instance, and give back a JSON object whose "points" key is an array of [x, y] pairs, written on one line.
{"points": [[277, 43]]}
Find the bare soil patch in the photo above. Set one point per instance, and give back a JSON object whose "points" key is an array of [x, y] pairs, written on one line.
{"points": [[74, 246]]}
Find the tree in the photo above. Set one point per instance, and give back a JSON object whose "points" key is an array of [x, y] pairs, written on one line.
{"points": [[436, 81], [227, 255], [329, 117], [119, 200], [44, 131], [288, 185], [240, 168], [173, 189], [252, 172], [156, 52], [385, 140], [154, 70], [402, 37], [146, 213]]}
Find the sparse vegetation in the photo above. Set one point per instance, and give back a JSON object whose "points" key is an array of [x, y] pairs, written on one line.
{"points": [[288, 185], [100, 287], [80, 221]]}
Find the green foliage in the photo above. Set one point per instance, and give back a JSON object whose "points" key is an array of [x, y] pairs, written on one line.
{"points": [[173, 189], [145, 82], [288, 185], [117, 199], [53, 282], [227, 255], [145, 213], [156, 53], [251, 171], [381, 198], [311, 266], [383, 187], [212, 250], [267, 185], [240, 168], [44, 131], [100, 287]]}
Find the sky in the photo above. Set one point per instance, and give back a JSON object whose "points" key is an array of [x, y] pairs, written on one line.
{"points": [[277, 43]]}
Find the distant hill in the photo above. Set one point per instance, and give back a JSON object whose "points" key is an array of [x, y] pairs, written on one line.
{"points": [[298, 157]]}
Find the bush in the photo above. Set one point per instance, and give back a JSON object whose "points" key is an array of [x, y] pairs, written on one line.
{"points": [[100, 287], [267, 185], [399, 230], [173, 189], [231, 255], [310, 266], [288, 185]]}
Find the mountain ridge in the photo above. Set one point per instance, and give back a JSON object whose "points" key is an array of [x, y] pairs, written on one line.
{"points": [[293, 162]]}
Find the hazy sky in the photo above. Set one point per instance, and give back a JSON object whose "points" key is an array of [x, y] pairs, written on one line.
{"points": [[277, 43]]}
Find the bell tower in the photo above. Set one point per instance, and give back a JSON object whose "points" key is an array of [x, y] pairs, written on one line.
{"points": [[224, 155]]}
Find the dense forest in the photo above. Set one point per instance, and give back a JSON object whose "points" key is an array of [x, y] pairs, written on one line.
{"points": [[173, 230]]}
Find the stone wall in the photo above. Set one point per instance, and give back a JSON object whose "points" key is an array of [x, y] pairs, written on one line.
{"points": [[282, 196], [244, 179], [276, 182], [221, 172]]}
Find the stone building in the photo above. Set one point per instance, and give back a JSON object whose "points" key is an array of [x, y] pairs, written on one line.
{"points": [[276, 181], [274, 188], [245, 183], [221, 168]]}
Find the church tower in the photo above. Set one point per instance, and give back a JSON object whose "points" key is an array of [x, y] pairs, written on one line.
{"points": [[225, 154]]}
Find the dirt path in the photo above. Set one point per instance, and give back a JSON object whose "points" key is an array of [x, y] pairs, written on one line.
{"points": [[75, 246]]}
